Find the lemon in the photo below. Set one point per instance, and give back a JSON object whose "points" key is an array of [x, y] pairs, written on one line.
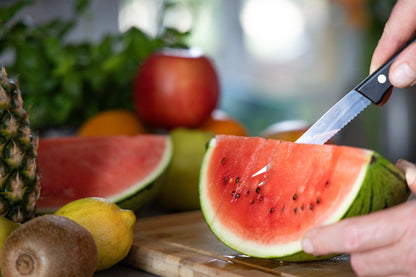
{"points": [[111, 227]]}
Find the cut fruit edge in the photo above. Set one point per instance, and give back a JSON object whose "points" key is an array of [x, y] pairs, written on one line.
{"points": [[252, 248]]}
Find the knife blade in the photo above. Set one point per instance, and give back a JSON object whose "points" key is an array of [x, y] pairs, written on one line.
{"points": [[335, 118], [373, 89]]}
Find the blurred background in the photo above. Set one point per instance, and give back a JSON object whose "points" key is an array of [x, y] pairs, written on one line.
{"points": [[278, 60]]}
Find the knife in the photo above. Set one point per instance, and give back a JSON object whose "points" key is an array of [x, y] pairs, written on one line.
{"points": [[373, 89]]}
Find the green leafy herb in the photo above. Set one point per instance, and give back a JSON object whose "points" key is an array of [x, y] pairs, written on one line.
{"points": [[65, 83]]}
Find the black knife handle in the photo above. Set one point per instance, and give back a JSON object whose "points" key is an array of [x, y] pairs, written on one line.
{"points": [[376, 86]]}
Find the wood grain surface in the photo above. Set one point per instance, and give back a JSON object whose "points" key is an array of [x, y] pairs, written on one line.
{"points": [[183, 245]]}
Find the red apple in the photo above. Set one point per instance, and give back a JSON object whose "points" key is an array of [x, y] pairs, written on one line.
{"points": [[176, 88]]}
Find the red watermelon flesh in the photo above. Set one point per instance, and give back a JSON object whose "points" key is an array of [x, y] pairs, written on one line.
{"points": [[265, 213], [116, 168]]}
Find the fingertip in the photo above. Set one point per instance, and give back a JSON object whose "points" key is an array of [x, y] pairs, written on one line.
{"points": [[400, 164], [375, 61], [373, 67], [381, 53], [402, 76], [409, 170], [322, 240], [307, 245]]}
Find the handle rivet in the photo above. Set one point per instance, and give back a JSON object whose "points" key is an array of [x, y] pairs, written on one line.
{"points": [[381, 78]]}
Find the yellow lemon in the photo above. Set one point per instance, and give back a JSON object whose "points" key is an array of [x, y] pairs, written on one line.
{"points": [[111, 227]]}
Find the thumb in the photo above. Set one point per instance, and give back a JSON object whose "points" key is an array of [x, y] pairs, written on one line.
{"points": [[403, 70], [409, 170]]}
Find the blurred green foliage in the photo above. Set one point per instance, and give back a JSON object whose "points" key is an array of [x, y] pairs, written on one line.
{"points": [[378, 12], [65, 83]]}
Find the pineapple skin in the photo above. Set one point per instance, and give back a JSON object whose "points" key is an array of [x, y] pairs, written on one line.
{"points": [[19, 179]]}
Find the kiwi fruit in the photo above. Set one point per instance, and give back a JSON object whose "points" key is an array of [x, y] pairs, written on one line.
{"points": [[49, 245]]}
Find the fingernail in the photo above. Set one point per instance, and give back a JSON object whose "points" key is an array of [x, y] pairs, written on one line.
{"points": [[307, 245], [403, 76]]}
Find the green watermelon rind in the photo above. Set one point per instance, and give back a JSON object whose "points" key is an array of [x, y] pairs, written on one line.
{"points": [[138, 196], [143, 193], [383, 186], [382, 189]]}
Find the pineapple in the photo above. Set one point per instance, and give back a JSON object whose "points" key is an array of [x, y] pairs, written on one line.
{"points": [[19, 180]]}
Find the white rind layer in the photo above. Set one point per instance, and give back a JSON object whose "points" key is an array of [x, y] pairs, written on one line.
{"points": [[265, 250]]}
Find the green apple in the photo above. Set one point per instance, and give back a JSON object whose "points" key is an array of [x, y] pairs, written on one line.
{"points": [[180, 190]]}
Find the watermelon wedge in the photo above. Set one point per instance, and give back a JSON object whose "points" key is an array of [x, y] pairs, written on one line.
{"points": [[124, 169], [260, 197]]}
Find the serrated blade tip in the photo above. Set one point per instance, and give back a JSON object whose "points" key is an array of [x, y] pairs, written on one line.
{"points": [[335, 118]]}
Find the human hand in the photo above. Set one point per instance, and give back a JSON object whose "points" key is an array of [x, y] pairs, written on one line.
{"points": [[380, 244], [400, 27]]}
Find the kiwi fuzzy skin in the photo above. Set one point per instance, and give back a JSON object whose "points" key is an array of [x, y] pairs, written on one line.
{"points": [[49, 245]]}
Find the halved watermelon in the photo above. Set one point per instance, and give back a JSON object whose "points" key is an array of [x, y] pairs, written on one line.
{"points": [[261, 196], [123, 169]]}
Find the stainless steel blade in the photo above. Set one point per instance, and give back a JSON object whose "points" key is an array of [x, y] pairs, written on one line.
{"points": [[335, 118]]}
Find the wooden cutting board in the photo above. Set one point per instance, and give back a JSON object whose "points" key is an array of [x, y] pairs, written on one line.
{"points": [[183, 245]]}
